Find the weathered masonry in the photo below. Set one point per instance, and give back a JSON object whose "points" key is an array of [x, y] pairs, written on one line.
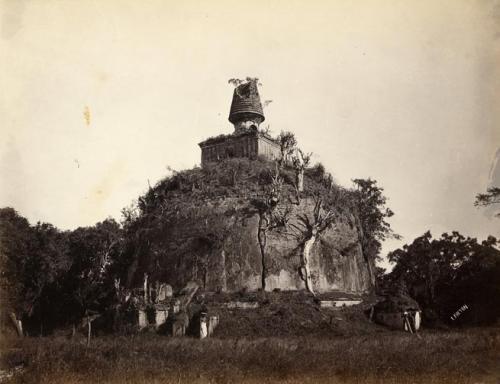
{"points": [[248, 144], [247, 140]]}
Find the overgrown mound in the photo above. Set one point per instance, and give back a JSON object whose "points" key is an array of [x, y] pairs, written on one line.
{"points": [[230, 178], [286, 314], [242, 224]]}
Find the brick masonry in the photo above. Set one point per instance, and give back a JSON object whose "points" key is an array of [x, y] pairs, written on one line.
{"points": [[248, 145]]}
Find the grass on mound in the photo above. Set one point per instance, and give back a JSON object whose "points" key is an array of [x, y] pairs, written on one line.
{"points": [[287, 314]]}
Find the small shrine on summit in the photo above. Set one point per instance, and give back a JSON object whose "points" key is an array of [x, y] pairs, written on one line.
{"points": [[247, 140]]}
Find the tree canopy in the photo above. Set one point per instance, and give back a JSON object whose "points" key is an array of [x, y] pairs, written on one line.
{"points": [[445, 273], [372, 214]]}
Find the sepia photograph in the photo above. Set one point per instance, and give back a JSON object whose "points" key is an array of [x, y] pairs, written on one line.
{"points": [[251, 192]]}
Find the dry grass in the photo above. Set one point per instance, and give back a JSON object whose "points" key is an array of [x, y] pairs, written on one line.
{"points": [[470, 356]]}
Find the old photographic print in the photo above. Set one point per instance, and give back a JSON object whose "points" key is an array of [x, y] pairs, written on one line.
{"points": [[255, 191]]}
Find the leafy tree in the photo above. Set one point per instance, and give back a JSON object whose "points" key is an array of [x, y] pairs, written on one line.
{"points": [[92, 250], [15, 244], [491, 197], [371, 215], [50, 277], [444, 274], [476, 285], [288, 143], [47, 262], [33, 258]]}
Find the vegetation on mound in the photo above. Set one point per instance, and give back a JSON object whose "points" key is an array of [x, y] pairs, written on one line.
{"points": [[52, 278], [77, 271], [218, 194], [286, 314]]}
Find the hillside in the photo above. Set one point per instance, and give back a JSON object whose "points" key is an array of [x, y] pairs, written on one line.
{"points": [[211, 225]]}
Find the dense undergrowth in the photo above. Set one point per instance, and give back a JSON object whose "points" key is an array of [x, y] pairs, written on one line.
{"points": [[237, 177]]}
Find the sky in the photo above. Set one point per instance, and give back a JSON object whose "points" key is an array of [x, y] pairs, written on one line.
{"points": [[100, 98]]}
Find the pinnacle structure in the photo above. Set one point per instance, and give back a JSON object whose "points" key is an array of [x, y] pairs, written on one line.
{"points": [[246, 108], [247, 140]]}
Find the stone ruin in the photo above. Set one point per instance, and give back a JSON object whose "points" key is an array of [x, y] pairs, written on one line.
{"points": [[157, 308], [336, 263], [397, 310], [247, 140]]}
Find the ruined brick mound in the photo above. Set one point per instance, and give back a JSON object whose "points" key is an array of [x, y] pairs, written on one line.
{"points": [[202, 225], [286, 314]]}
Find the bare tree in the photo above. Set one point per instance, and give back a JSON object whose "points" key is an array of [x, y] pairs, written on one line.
{"points": [[311, 228], [300, 161]]}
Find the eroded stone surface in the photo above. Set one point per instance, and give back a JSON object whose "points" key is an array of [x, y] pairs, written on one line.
{"points": [[234, 263]]}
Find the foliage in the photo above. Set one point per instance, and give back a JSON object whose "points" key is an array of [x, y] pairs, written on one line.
{"points": [[288, 143], [317, 172], [178, 227], [320, 176], [50, 277], [371, 214], [372, 210], [223, 137], [444, 274], [93, 250], [33, 258], [491, 197], [15, 245], [237, 82]]}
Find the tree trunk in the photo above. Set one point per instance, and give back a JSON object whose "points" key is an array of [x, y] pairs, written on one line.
{"points": [[361, 239], [205, 272], [370, 269], [224, 274], [89, 324], [305, 263], [262, 238], [300, 180], [17, 324], [146, 288]]}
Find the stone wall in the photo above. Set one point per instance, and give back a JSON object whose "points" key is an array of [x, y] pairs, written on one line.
{"points": [[229, 146], [268, 148], [249, 145]]}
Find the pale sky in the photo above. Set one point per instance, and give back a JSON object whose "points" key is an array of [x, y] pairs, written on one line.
{"points": [[405, 92]]}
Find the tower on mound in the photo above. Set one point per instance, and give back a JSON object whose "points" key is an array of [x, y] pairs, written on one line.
{"points": [[247, 140], [246, 109]]}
